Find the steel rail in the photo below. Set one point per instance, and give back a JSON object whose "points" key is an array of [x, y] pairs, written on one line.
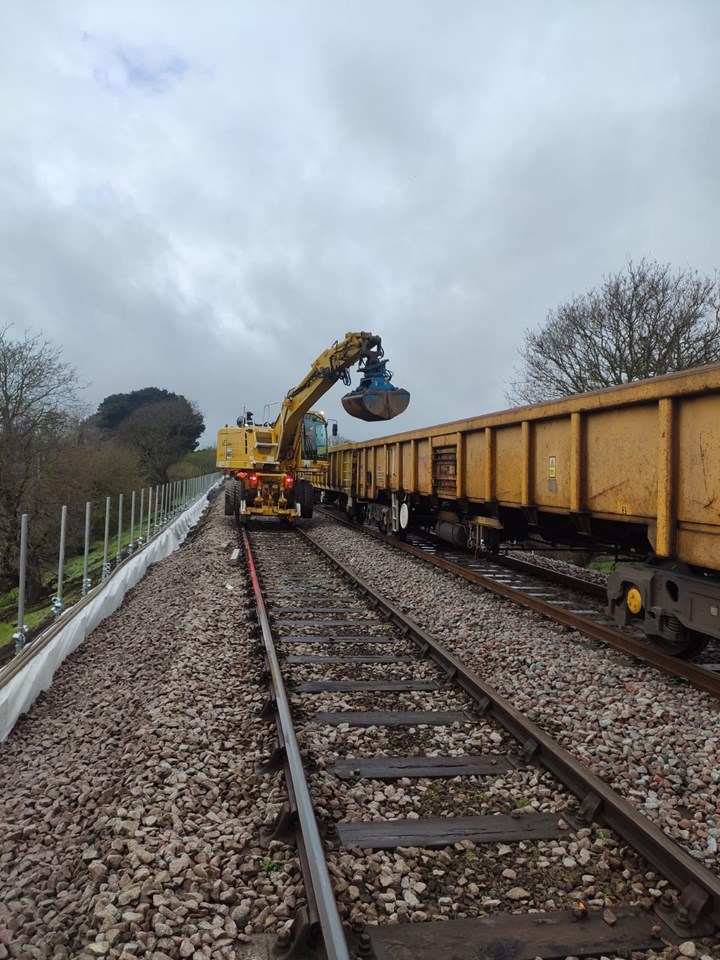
{"points": [[588, 587], [703, 679], [597, 798], [330, 922]]}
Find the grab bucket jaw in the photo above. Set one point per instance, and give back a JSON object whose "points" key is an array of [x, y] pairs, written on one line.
{"points": [[376, 404], [376, 398]]}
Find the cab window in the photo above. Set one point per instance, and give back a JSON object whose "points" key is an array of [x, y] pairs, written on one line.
{"points": [[314, 438]]}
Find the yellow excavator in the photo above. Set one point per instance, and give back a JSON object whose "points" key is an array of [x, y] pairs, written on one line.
{"points": [[269, 467]]}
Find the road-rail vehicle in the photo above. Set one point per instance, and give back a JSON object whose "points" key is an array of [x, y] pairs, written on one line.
{"points": [[271, 468]]}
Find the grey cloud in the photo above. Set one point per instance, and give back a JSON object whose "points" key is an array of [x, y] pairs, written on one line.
{"points": [[149, 71], [273, 176]]}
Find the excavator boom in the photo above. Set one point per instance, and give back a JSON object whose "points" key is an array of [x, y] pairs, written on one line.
{"points": [[270, 468], [374, 399]]}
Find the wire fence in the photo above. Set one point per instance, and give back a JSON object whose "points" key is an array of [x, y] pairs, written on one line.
{"points": [[130, 524]]}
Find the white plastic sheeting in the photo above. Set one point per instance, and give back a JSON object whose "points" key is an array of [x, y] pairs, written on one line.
{"points": [[19, 693]]}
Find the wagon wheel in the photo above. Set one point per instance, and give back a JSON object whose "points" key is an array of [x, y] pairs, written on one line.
{"points": [[403, 521], [687, 646]]}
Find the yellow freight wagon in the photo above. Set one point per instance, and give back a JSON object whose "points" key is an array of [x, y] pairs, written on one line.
{"points": [[635, 466]]}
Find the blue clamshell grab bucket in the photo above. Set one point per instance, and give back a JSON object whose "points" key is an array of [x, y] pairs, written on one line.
{"points": [[376, 398]]}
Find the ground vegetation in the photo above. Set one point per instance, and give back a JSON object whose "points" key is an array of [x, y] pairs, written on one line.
{"points": [[197, 463]]}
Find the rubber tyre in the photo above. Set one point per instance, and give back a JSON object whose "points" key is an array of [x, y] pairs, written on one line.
{"points": [[305, 496]]}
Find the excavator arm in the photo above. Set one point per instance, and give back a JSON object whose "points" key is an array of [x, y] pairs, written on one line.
{"points": [[375, 398]]}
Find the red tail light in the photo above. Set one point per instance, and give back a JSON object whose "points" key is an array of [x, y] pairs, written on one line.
{"points": [[253, 478], [288, 480]]}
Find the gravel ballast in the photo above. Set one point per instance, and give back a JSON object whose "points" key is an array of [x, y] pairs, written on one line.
{"points": [[656, 742], [129, 809]]}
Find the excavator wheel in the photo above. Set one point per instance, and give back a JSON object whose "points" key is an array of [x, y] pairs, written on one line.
{"points": [[305, 496]]}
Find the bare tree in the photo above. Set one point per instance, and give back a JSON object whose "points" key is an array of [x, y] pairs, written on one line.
{"points": [[641, 322], [37, 392]]}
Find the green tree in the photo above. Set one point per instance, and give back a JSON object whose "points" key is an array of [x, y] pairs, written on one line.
{"points": [[161, 433], [119, 406], [639, 323], [161, 427]]}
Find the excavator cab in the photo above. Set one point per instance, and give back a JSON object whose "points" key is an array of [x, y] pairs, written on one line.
{"points": [[314, 437], [375, 398]]}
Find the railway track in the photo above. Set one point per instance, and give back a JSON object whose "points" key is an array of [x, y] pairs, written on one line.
{"points": [[570, 601], [432, 818]]}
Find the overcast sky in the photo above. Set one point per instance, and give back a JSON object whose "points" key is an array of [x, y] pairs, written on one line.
{"points": [[203, 196]]}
